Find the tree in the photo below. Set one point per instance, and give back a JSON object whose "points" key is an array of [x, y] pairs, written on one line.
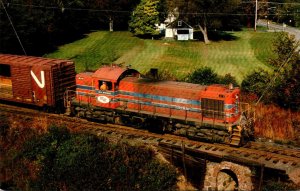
{"points": [[61, 160], [286, 71], [285, 52], [41, 29], [204, 14], [282, 87], [228, 79], [206, 76], [144, 18], [256, 83], [203, 75], [113, 12], [284, 11]]}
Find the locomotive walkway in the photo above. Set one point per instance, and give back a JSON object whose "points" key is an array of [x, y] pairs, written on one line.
{"points": [[247, 165]]}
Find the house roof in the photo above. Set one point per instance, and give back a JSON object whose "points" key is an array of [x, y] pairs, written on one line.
{"points": [[178, 24]]}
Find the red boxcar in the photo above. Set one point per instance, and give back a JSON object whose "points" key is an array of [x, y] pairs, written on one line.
{"points": [[35, 80]]}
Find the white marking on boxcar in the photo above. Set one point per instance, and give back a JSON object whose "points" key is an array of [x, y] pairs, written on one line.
{"points": [[40, 84]]}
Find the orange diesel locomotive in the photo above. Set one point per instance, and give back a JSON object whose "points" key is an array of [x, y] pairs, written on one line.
{"points": [[120, 95]]}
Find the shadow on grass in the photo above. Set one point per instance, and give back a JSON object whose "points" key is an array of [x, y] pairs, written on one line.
{"points": [[216, 36]]}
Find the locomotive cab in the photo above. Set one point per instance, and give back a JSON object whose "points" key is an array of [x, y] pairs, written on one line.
{"points": [[220, 103], [100, 89]]}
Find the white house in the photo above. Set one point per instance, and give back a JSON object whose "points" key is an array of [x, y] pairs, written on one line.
{"points": [[179, 30]]}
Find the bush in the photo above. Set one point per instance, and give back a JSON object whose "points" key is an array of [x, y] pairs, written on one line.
{"points": [[161, 75], [203, 75], [228, 79], [274, 185], [256, 83], [60, 160], [207, 76], [4, 126]]}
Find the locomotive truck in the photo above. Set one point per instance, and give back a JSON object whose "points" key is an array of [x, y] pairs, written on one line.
{"points": [[207, 113]]}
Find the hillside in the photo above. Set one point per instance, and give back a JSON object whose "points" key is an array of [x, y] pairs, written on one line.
{"points": [[248, 51]]}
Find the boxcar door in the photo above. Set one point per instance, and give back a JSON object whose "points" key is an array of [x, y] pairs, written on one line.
{"points": [[21, 82]]}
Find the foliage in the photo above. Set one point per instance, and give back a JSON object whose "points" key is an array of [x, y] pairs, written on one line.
{"points": [[203, 75], [60, 160], [228, 79], [144, 18], [40, 29], [161, 75], [287, 71], [256, 83], [207, 76], [4, 126], [116, 12], [272, 185], [283, 12], [205, 15], [285, 51], [281, 87], [43, 25]]}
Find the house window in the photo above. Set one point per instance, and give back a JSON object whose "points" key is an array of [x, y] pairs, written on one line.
{"points": [[179, 23], [184, 31], [5, 70]]}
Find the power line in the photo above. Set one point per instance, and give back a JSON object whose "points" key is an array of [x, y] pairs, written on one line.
{"points": [[13, 28], [269, 2], [127, 11], [278, 3], [68, 8]]}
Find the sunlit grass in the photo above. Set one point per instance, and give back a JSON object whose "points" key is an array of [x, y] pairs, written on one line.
{"points": [[249, 51]]}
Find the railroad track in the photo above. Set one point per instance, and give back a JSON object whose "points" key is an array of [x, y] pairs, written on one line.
{"points": [[271, 156]]}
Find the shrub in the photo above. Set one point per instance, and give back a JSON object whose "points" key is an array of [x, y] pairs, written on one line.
{"points": [[60, 160], [228, 79], [256, 83], [161, 75], [203, 75]]}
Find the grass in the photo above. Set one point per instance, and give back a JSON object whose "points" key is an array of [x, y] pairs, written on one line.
{"points": [[278, 124], [250, 50]]}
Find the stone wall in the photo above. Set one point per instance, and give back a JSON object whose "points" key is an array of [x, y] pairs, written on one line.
{"points": [[227, 176]]}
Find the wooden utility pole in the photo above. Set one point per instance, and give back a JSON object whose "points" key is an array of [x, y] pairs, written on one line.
{"points": [[255, 20]]}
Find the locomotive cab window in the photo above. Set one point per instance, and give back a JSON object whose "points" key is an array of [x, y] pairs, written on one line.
{"points": [[5, 70], [105, 85]]}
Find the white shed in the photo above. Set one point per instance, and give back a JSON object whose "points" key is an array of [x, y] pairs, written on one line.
{"points": [[179, 30]]}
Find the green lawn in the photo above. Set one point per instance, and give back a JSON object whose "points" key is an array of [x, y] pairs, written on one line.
{"points": [[238, 57]]}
